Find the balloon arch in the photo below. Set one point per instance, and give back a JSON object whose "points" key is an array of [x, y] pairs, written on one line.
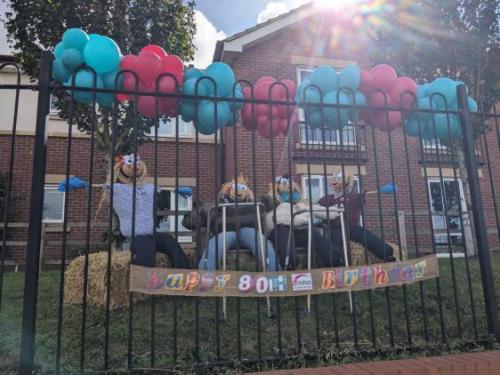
{"points": [[213, 98]]}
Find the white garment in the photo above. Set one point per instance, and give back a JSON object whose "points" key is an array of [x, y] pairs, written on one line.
{"points": [[122, 205], [283, 216]]}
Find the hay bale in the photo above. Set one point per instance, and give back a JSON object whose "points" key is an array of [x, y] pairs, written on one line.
{"points": [[97, 279], [358, 254]]}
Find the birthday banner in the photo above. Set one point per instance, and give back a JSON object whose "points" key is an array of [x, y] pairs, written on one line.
{"points": [[180, 282]]}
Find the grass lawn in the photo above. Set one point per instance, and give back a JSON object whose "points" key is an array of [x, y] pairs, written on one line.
{"points": [[318, 329]]}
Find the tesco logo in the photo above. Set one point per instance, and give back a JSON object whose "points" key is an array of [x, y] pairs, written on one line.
{"points": [[302, 281]]}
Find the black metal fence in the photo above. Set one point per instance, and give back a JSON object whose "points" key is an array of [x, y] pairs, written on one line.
{"points": [[446, 203]]}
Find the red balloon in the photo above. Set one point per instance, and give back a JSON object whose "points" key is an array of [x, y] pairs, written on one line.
{"points": [[284, 111], [387, 121], [247, 92], [278, 92], [154, 49], [246, 114], [264, 127], [128, 62], [378, 99], [174, 65], [384, 68], [366, 82], [130, 83], [292, 88], [261, 109], [261, 90], [148, 67], [167, 86], [264, 79], [146, 106], [382, 79], [403, 92]]}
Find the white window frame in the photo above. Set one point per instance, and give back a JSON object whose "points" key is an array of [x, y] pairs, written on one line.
{"points": [[431, 144], [318, 132], [171, 134], [321, 177], [464, 213], [49, 221], [53, 110], [171, 228]]}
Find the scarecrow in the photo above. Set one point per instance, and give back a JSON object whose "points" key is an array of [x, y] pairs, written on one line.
{"points": [[344, 195], [286, 204], [232, 226]]}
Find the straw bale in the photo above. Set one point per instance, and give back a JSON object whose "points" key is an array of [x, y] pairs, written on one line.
{"points": [[358, 254]]}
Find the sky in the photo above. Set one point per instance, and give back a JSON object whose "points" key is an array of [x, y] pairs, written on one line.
{"points": [[215, 19]]}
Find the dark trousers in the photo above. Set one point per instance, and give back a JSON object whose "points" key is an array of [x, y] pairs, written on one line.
{"points": [[328, 254], [144, 250], [357, 234]]}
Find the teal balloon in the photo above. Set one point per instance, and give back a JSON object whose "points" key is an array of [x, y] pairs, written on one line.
{"points": [[102, 54], [190, 88], [313, 117], [422, 90], [59, 71], [72, 58], [299, 96], [238, 94], [312, 96], [208, 120], [105, 99], [440, 102], [445, 86], [442, 131], [472, 104], [192, 73], [336, 116], [188, 112], [223, 76], [85, 78], [412, 128], [423, 104], [59, 49], [359, 100], [75, 38], [110, 81], [326, 78], [350, 78]]}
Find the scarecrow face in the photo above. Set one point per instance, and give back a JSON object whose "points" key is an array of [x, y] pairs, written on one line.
{"points": [[127, 173], [337, 182], [237, 189], [282, 190]]}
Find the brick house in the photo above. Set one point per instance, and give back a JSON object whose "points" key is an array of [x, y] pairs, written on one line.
{"points": [[289, 46]]}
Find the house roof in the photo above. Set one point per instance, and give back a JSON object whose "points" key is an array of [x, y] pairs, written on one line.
{"points": [[234, 44]]}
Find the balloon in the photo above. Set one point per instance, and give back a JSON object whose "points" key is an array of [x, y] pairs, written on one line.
{"points": [[192, 73], [403, 92], [102, 54], [379, 99], [121, 97], [441, 102], [268, 129], [445, 86], [59, 71], [291, 87], [110, 80], [387, 121], [382, 79], [359, 100], [422, 90], [336, 116], [146, 105], [173, 64], [261, 90], [365, 85], [472, 104], [223, 76], [128, 62], [312, 96], [326, 78], [440, 124], [153, 48], [425, 104], [58, 51], [350, 78], [105, 99], [248, 123], [86, 78], [412, 128], [313, 118], [190, 87], [148, 67], [208, 119], [72, 58], [188, 112], [299, 96], [238, 94], [75, 38]]}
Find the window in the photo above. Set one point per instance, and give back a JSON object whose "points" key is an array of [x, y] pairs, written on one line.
{"points": [[315, 135], [451, 192], [166, 128], [318, 186], [53, 104], [168, 223], [53, 205], [433, 144]]}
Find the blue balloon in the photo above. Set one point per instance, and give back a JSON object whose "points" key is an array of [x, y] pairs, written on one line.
{"points": [[110, 81], [440, 102], [208, 121], [192, 73], [223, 76], [59, 71], [313, 117], [422, 90], [105, 99], [299, 96], [190, 87], [312, 96], [85, 78], [445, 86], [102, 54], [72, 58], [336, 116], [58, 51], [75, 38], [412, 128], [350, 78], [472, 104], [442, 131], [359, 100], [238, 94], [188, 111], [326, 78]]}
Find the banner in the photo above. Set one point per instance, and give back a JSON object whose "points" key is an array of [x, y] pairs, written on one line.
{"points": [[180, 282]]}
